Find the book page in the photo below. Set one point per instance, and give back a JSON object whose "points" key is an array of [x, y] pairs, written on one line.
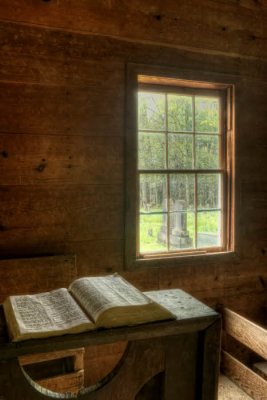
{"points": [[97, 294], [45, 312]]}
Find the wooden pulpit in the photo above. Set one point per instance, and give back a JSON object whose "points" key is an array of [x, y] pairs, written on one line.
{"points": [[184, 352]]}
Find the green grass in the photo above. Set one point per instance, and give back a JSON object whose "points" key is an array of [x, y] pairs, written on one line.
{"points": [[150, 226]]}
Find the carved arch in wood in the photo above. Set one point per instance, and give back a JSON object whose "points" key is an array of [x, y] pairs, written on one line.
{"points": [[139, 363]]}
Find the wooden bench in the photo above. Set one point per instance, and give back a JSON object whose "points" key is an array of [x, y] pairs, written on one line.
{"points": [[182, 353], [244, 343], [61, 371]]}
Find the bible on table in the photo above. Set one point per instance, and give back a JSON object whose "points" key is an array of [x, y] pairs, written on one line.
{"points": [[89, 303]]}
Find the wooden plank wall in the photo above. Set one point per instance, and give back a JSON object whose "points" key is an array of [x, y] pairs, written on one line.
{"points": [[62, 130], [62, 118]]}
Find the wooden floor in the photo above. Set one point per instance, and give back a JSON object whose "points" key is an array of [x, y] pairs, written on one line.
{"points": [[229, 391]]}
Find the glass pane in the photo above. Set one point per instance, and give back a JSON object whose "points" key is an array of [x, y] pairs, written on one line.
{"points": [[153, 237], [152, 189], [182, 230], [180, 113], [151, 111], [209, 229], [208, 191], [206, 114], [207, 151], [180, 151], [151, 151], [182, 192]]}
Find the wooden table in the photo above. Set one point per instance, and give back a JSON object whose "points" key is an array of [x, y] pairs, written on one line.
{"points": [[185, 351]]}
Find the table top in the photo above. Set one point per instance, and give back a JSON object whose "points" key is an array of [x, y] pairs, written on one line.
{"points": [[191, 316]]}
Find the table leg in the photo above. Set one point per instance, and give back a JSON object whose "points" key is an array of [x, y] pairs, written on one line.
{"points": [[210, 340]]}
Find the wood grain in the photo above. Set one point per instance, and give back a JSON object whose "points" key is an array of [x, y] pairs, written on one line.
{"points": [[154, 347], [63, 110], [261, 369], [71, 379], [72, 382], [246, 34], [181, 357], [245, 331], [41, 54], [191, 314], [37, 274], [208, 382], [37, 159], [249, 381], [57, 213], [76, 354], [62, 94], [229, 391]]}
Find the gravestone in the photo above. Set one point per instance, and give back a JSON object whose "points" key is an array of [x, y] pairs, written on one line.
{"points": [[179, 235]]}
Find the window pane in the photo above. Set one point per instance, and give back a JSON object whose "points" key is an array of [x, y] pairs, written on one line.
{"points": [[152, 189], [208, 191], [182, 192], [151, 151], [209, 227], [182, 230], [207, 151], [180, 113], [180, 151], [152, 233], [206, 114], [151, 111], [180, 168]]}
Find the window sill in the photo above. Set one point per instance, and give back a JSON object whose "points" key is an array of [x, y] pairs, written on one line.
{"points": [[183, 259]]}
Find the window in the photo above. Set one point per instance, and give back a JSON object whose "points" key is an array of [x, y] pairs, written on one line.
{"points": [[182, 192]]}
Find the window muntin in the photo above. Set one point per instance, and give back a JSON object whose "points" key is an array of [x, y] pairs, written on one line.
{"points": [[181, 171]]}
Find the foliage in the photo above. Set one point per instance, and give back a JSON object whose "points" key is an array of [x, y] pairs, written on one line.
{"points": [[150, 226], [177, 132]]}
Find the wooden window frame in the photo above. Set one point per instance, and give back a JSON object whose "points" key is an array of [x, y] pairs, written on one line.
{"points": [[186, 82]]}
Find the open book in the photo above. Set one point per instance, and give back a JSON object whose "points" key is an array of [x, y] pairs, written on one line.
{"points": [[89, 303]]}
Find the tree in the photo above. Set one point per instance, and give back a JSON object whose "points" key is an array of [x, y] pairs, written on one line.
{"points": [[177, 132]]}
